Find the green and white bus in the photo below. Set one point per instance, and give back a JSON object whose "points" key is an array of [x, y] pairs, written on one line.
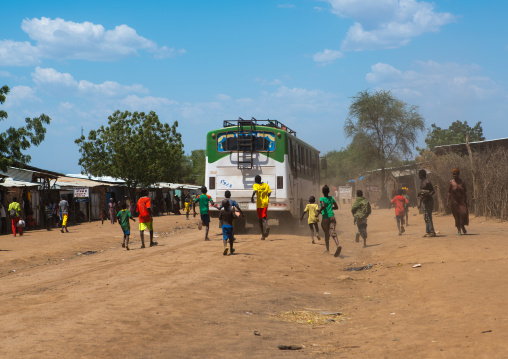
{"points": [[242, 149]]}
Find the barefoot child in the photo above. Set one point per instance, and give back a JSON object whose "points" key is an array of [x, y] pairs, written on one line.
{"points": [[123, 219], [227, 215], [328, 224], [312, 209], [400, 202], [203, 199], [361, 210]]}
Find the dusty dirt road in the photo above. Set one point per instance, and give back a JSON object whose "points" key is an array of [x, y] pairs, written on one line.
{"points": [[184, 299]]}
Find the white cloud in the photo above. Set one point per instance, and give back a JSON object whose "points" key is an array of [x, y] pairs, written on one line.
{"points": [[14, 53], [223, 97], [60, 39], [445, 91], [435, 78], [327, 56], [147, 103], [56, 83], [386, 24], [21, 95], [274, 82]]}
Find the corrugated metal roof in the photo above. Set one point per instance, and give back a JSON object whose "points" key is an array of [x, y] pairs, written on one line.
{"points": [[9, 182], [99, 179], [78, 182]]}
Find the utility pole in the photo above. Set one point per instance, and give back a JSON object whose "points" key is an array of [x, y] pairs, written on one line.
{"points": [[475, 191]]}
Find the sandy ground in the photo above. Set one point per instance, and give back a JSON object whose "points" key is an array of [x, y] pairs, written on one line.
{"points": [[184, 299]]}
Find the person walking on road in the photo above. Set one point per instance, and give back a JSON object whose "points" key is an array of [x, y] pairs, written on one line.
{"points": [[426, 202], [457, 201], [144, 208], [112, 210], [63, 207], [15, 214], [123, 220]]}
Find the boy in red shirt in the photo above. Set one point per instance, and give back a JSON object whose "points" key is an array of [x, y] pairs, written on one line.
{"points": [[144, 209], [400, 202]]}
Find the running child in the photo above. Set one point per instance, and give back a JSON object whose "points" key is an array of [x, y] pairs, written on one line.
{"points": [[400, 202], [313, 210], [262, 192], [234, 206], [227, 215], [203, 199], [328, 223], [361, 210], [123, 219]]}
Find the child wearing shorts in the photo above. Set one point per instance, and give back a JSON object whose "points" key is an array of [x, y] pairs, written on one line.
{"points": [[123, 219], [313, 210], [227, 215]]}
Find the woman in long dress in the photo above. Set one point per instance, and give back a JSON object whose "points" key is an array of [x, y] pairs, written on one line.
{"points": [[457, 201], [112, 210]]}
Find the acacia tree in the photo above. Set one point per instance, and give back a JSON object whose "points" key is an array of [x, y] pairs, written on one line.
{"points": [[135, 147], [16, 140], [383, 130]]}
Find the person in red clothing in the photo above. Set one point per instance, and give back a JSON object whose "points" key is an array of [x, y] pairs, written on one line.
{"points": [[400, 202], [144, 209]]}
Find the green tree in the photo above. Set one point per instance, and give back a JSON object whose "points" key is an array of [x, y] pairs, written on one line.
{"points": [[135, 147], [342, 165], [194, 169], [16, 140], [383, 130], [456, 133]]}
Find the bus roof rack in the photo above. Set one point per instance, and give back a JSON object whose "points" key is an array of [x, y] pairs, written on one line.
{"points": [[253, 121]]}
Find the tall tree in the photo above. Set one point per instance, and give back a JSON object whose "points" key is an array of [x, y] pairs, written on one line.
{"points": [[135, 147], [456, 133], [383, 130], [16, 140], [194, 171]]}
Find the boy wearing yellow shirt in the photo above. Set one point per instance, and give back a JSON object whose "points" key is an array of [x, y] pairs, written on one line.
{"points": [[313, 210], [263, 192]]}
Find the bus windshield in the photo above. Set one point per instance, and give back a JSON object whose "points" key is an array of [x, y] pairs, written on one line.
{"points": [[261, 141]]}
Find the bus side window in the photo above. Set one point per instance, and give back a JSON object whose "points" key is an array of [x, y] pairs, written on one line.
{"points": [[307, 160]]}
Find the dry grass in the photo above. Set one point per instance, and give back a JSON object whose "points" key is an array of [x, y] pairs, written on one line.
{"points": [[306, 317]]}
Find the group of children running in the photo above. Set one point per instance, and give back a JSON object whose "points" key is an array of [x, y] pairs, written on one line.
{"points": [[230, 210]]}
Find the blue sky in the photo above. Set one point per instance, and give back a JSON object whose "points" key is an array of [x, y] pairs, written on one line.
{"points": [[202, 62]]}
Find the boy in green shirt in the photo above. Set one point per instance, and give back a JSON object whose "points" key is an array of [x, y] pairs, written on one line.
{"points": [[328, 223], [123, 219], [203, 199]]}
